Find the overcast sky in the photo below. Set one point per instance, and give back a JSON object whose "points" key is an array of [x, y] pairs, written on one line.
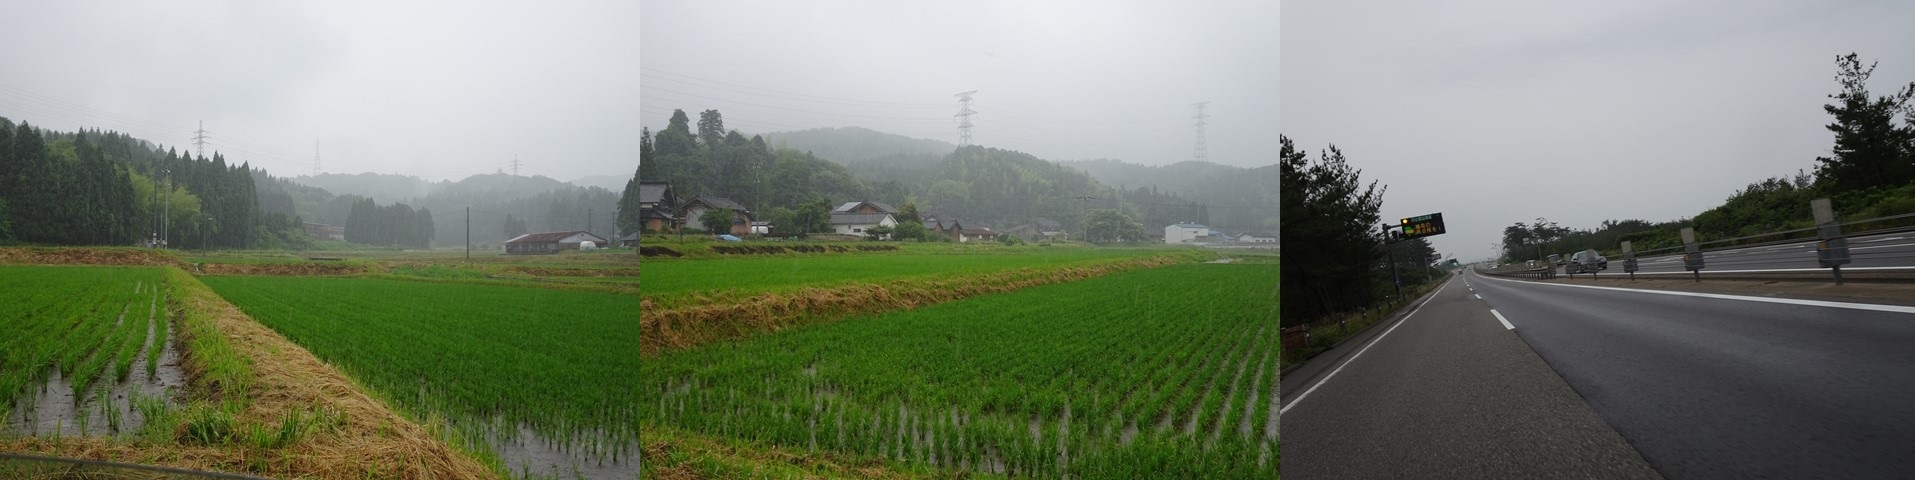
{"points": [[1060, 80], [434, 89], [1495, 112]]}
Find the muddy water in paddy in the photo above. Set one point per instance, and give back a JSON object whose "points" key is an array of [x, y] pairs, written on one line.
{"points": [[107, 407], [592, 455]]}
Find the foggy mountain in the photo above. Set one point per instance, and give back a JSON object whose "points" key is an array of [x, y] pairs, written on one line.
{"points": [[1237, 195], [381, 187], [848, 145], [539, 203], [608, 182], [1004, 187]]}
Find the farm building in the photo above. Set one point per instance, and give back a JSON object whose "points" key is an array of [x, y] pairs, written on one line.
{"points": [[1185, 233], [629, 240], [551, 242], [321, 231], [741, 218], [1257, 237], [1039, 230], [982, 234], [656, 203]]}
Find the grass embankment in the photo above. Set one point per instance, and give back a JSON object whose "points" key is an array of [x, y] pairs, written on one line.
{"points": [[1326, 334], [1159, 373], [771, 299], [558, 361], [260, 405]]}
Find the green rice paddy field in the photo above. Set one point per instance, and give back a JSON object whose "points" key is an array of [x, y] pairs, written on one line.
{"points": [[758, 273], [1168, 372], [488, 359]]}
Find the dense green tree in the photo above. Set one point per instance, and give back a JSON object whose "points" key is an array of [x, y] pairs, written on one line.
{"points": [[1870, 151], [813, 217], [717, 220], [676, 138], [1327, 208], [909, 230], [1109, 226], [909, 213], [711, 128]]}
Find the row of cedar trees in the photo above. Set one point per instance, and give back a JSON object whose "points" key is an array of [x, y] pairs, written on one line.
{"points": [[395, 224], [107, 188], [98, 188]]}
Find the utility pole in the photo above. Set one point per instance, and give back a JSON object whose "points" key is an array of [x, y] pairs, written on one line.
{"points": [[588, 220], [468, 234], [1203, 153], [315, 157], [1086, 199], [964, 117], [199, 139]]}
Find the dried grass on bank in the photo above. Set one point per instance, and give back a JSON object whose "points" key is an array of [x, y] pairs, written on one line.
{"points": [[370, 440], [666, 329]]}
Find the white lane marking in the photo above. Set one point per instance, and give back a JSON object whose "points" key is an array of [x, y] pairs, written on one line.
{"points": [[1359, 353], [1479, 296], [1879, 246], [1889, 239], [1787, 301], [1774, 270], [1499, 318]]}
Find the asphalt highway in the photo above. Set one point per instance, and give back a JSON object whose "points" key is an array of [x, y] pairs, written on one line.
{"points": [[1545, 380], [1448, 392]]}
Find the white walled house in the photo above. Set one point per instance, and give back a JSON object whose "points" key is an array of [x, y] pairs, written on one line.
{"points": [[1184, 233], [1257, 237], [859, 223]]}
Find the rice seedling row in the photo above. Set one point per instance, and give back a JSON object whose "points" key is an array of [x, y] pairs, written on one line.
{"points": [[487, 359], [664, 281], [78, 322], [1142, 373]]}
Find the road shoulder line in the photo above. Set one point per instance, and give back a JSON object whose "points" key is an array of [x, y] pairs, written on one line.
{"points": [[1788, 301], [1359, 353]]}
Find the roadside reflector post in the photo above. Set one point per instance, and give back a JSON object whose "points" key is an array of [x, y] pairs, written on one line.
{"points": [[1629, 260], [1691, 254], [1833, 250]]}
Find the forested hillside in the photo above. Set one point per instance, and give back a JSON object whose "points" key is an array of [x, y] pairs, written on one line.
{"points": [[978, 185], [107, 188]]}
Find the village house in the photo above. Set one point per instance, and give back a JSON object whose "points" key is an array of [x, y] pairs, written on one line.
{"points": [[856, 218], [741, 218], [859, 223], [940, 225], [1185, 233], [982, 234], [656, 205], [552, 242]]}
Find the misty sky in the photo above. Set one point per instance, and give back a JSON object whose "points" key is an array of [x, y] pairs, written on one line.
{"points": [[1503, 111], [434, 89], [1060, 80]]}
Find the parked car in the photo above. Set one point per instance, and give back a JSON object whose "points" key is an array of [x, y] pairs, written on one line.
{"points": [[1587, 261], [1556, 259]]}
